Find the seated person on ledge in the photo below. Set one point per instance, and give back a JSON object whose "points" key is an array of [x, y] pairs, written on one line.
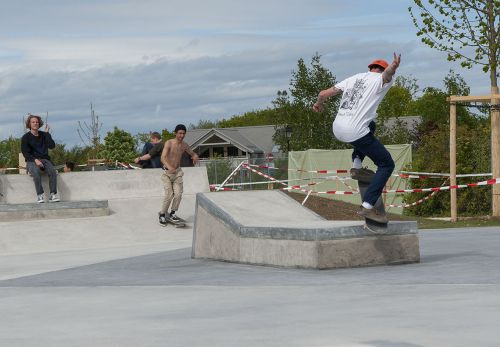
{"points": [[35, 145]]}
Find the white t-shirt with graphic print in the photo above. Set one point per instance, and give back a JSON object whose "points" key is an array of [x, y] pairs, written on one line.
{"points": [[362, 93]]}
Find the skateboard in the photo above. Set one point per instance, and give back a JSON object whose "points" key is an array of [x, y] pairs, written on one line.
{"points": [[371, 225], [180, 224]]}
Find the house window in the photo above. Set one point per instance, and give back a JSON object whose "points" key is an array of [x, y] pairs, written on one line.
{"points": [[204, 153], [218, 151], [232, 151]]}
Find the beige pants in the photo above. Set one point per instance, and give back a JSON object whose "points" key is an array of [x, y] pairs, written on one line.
{"points": [[172, 183]]}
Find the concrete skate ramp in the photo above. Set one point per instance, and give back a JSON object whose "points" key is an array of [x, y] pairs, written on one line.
{"points": [[134, 199], [269, 228], [101, 185]]}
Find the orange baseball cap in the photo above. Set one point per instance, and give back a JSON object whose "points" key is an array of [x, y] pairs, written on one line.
{"points": [[379, 62]]}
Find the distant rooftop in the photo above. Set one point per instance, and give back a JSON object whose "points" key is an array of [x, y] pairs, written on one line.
{"points": [[255, 139]]}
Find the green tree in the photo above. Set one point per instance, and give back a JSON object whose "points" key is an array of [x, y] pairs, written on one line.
{"points": [[396, 105], [467, 30], [218, 169], [78, 155], [433, 156], [167, 135], [119, 145], [252, 118], [203, 124], [432, 152], [9, 152], [434, 109], [294, 109]]}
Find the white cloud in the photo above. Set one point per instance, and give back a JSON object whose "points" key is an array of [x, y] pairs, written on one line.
{"points": [[150, 65]]}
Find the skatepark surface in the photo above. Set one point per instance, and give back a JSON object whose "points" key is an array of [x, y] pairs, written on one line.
{"points": [[123, 280]]}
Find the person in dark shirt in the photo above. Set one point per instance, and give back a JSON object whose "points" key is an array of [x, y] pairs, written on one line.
{"points": [[150, 158], [35, 145]]}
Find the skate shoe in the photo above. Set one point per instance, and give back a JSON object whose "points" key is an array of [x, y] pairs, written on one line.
{"points": [[162, 219], [174, 218], [373, 214], [54, 197], [40, 198]]}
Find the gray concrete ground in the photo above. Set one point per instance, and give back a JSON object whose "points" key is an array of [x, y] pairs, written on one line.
{"points": [[151, 293], [122, 280]]}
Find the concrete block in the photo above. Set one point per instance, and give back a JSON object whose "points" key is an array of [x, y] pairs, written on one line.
{"points": [[59, 210], [269, 228], [101, 185], [219, 241]]}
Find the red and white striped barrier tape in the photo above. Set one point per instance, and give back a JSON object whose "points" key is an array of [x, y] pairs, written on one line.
{"points": [[283, 182], [416, 190], [241, 184], [440, 175], [457, 186], [300, 170], [418, 202], [402, 174], [264, 175], [214, 187]]}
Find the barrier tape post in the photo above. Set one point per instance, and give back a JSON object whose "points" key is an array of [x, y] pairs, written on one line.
{"points": [[229, 177], [307, 197]]}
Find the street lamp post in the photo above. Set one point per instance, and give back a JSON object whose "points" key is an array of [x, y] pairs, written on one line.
{"points": [[288, 135]]}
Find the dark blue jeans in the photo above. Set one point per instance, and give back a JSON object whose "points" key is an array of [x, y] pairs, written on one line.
{"points": [[357, 154], [372, 148]]}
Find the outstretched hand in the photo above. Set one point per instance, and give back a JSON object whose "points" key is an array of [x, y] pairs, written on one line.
{"points": [[397, 60], [318, 107]]}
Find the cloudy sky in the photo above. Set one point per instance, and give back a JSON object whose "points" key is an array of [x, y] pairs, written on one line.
{"points": [[150, 64]]}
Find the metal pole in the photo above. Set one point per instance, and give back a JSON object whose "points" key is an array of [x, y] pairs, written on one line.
{"points": [[453, 161], [229, 177], [495, 151]]}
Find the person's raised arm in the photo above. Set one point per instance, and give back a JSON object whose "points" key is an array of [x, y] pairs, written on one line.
{"points": [[391, 69], [193, 154], [323, 96], [50, 142]]}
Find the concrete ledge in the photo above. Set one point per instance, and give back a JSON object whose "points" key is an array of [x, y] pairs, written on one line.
{"points": [[101, 185], [269, 228], [57, 210]]}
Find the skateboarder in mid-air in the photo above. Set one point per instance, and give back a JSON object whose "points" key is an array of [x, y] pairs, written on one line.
{"points": [[172, 176], [354, 124]]}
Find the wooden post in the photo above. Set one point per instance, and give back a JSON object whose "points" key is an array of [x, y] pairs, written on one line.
{"points": [[453, 161], [493, 99], [22, 165], [495, 151]]}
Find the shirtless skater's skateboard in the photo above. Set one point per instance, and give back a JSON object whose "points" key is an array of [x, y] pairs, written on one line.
{"points": [[180, 224], [370, 224], [164, 220]]}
